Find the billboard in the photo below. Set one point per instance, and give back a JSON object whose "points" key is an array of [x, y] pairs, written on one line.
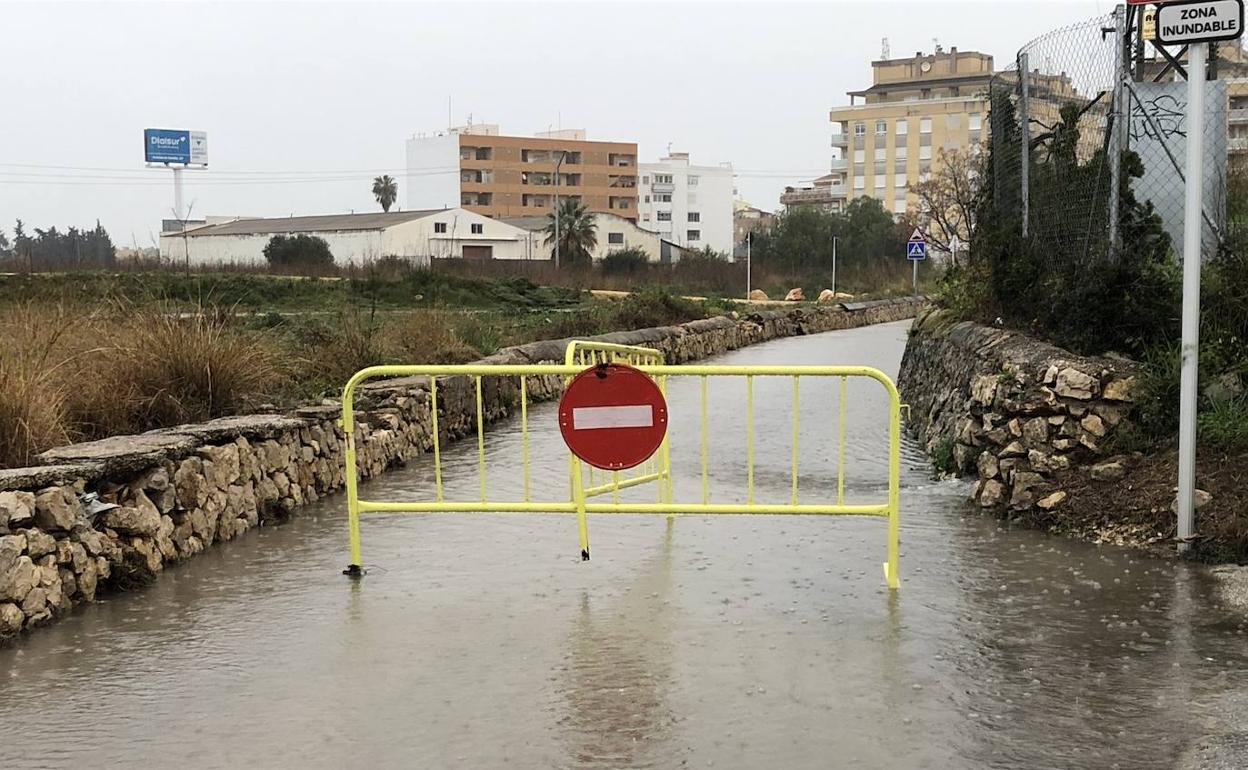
{"points": [[166, 145]]}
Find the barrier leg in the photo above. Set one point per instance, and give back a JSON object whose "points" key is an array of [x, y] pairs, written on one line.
{"points": [[578, 497], [355, 569]]}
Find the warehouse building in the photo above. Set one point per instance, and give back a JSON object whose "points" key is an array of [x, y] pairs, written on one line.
{"points": [[354, 238]]}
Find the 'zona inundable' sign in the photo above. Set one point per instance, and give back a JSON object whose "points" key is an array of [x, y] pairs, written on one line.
{"points": [[1200, 21]]}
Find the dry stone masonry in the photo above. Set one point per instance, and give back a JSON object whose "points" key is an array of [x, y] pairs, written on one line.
{"points": [[166, 495], [1011, 410]]}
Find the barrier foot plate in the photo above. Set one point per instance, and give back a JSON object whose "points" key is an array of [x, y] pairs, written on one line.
{"points": [[585, 555], [354, 571]]}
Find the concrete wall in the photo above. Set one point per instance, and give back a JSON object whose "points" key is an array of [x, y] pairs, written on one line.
{"points": [[1014, 412], [180, 490]]}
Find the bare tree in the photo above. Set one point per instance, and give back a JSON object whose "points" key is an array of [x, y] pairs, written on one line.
{"points": [[948, 197]]}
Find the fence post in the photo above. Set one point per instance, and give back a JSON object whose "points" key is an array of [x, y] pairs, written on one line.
{"points": [[1117, 133], [1024, 124]]}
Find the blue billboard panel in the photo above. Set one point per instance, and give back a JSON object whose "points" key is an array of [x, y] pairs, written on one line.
{"points": [[164, 145]]}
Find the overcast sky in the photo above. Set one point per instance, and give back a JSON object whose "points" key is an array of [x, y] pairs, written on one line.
{"points": [[305, 103]]}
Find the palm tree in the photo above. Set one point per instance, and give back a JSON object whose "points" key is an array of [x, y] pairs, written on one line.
{"points": [[577, 232], [385, 190]]}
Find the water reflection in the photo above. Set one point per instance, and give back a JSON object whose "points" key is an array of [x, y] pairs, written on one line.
{"points": [[616, 680]]}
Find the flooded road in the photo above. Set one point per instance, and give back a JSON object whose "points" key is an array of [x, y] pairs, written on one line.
{"points": [[733, 642]]}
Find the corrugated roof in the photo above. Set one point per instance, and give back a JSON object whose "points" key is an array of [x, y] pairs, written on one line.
{"points": [[320, 223]]}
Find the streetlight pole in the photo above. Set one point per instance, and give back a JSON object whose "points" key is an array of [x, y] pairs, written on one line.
{"points": [[834, 240], [748, 277], [558, 163]]}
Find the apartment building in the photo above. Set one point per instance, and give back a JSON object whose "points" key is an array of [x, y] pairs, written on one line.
{"points": [[478, 168], [892, 133], [689, 205]]}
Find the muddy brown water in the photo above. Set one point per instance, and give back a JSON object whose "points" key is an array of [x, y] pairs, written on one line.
{"points": [[736, 642]]}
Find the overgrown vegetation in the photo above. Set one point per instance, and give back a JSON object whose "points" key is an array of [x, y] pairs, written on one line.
{"points": [[72, 369], [1068, 288]]}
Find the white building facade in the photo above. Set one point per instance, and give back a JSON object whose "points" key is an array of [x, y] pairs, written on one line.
{"points": [[356, 238], [613, 233], [686, 204]]}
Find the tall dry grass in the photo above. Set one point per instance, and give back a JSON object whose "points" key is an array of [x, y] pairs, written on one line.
{"points": [[68, 375]]}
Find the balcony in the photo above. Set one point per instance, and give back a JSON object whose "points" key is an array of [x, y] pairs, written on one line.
{"points": [[1237, 144], [840, 140], [819, 196], [623, 181], [621, 160], [840, 164], [1237, 115]]}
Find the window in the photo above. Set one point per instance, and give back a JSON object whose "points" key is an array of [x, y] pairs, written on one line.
{"points": [[879, 181], [860, 156], [693, 235], [647, 199], [663, 198], [615, 237], [663, 216], [439, 227], [900, 152], [478, 229], [860, 129], [899, 206], [899, 180], [693, 181], [925, 125], [859, 182], [645, 217], [879, 153], [881, 127], [860, 169], [695, 216], [974, 122], [903, 127], [645, 180], [925, 153], [662, 178]]}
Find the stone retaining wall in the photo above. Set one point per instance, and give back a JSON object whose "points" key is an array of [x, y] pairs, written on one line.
{"points": [[1014, 411], [180, 490]]}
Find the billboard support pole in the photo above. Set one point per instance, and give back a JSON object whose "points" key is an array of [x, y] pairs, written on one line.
{"points": [[177, 194], [1192, 234]]}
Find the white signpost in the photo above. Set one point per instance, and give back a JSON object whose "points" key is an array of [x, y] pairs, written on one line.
{"points": [[1194, 24]]}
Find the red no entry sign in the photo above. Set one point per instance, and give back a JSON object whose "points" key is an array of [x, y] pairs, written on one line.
{"points": [[613, 416]]}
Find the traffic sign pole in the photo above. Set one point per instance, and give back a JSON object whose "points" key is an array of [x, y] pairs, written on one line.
{"points": [[1192, 232]]}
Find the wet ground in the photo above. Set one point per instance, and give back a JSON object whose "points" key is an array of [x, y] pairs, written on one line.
{"points": [[734, 642]]}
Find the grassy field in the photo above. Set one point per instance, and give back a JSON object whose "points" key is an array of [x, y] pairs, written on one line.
{"points": [[84, 356]]}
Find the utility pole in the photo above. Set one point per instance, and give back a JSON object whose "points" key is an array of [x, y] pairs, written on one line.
{"points": [[1024, 122], [1193, 227], [558, 163]]}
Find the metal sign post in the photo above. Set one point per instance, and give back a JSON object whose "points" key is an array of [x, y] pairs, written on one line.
{"points": [[1194, 185], [916, 252], [1195, 24]]}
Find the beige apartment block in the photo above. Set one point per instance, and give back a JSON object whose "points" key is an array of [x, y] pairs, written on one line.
{"points": [[891, 134], [514, 176]]}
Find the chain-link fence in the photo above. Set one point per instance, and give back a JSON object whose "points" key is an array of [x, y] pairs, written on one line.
{"points": [[1052, 115], [1102, 167]]}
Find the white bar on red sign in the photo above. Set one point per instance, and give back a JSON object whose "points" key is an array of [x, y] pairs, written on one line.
{"points": [[593, 417]]}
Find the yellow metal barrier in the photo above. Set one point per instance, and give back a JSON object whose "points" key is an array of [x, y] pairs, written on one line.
{"points": [[580, 500]]}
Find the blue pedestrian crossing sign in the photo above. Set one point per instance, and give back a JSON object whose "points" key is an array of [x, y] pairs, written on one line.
{"points": [[916, 247]]}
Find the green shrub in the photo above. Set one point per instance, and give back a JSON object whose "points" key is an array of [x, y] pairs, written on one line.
{"points": [[625, 262], [298, 251]]}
